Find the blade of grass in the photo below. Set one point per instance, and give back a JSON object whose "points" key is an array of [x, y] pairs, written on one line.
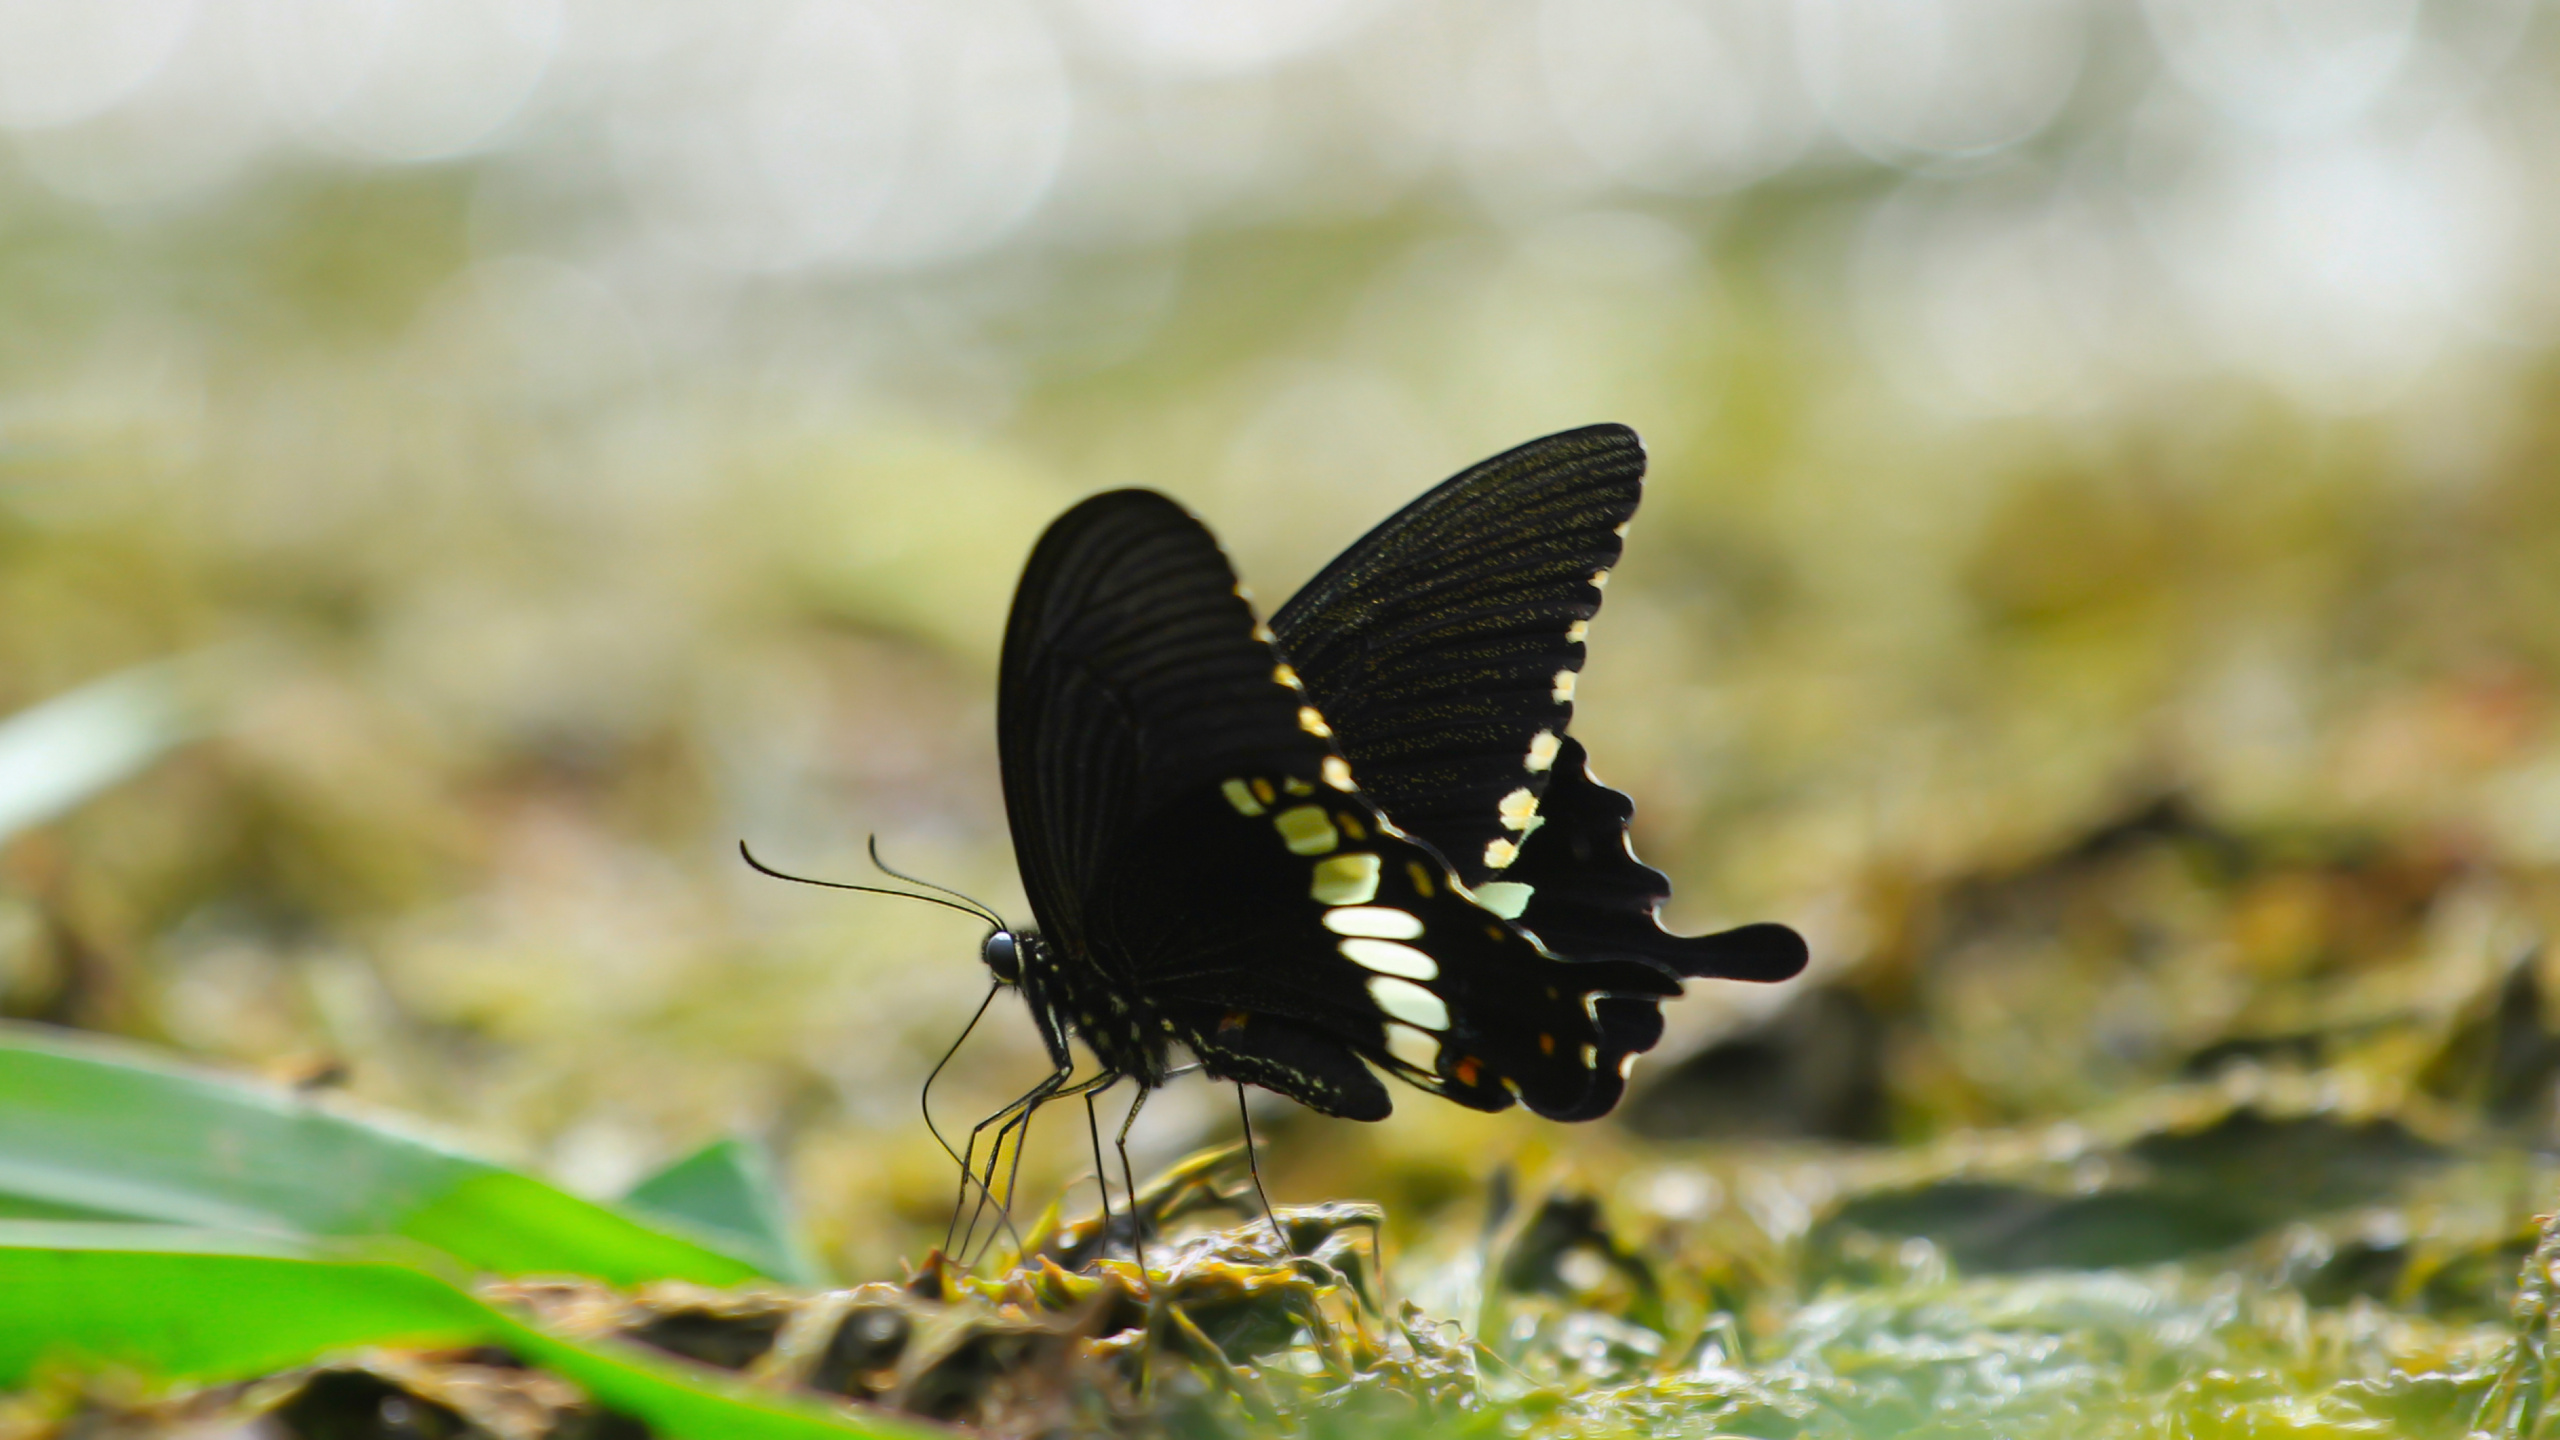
{"points": [[90, 1127], [59, 753], [189, 1307]]}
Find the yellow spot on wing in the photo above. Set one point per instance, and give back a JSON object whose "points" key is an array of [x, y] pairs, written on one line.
{"points": [[1420, 874], [1577, 632], [1263, 633], [1351, 825], [1564, 687], [1311, 720], [1306, 830], [1498, 853], [1286, 676], [1599, 579], [1240, 796], [1346, 880], [1518, 808], [1337, 772], [1296, 786], [1542, 752], [1263, 792]]}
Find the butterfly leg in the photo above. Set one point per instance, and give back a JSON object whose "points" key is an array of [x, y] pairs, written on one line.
{"points": [[1101, 1175], [1129, 1181], [1253, 1167], [969, 1152], [1019, 1127]]}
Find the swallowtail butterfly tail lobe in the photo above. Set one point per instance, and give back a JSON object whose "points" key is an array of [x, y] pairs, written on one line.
{"points": [[1357, 839]]}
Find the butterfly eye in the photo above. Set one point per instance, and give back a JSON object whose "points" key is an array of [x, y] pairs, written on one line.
{"points": [[1003, 957]]}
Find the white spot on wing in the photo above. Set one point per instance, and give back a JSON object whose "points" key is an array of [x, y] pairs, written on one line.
{"points": [[1414, 1048], [1498, 853], [1577, 632], [1403, 1000], [1380, 922], [1337, 772], [1518, 808], [1590, 1057], [1346, 880], [1389, 958], [1506, 898], [1311, 720], [1599, 579], [1564, 687]]}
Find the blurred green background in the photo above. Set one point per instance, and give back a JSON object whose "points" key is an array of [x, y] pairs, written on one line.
{"points": [[2100, 577]]}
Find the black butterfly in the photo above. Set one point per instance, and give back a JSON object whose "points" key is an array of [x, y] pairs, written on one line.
{"points": [[1358, 839]]}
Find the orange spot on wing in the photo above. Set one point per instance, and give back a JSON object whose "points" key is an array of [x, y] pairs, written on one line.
{"points": [[1466, 1071], [1546, 1043], [1232, 1020]]}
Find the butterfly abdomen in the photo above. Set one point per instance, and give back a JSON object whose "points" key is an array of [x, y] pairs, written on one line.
{"points": [[1071, 996]]}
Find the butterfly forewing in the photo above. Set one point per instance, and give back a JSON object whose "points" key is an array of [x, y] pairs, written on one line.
{"points": [[1445, 643], [1129, 667]]}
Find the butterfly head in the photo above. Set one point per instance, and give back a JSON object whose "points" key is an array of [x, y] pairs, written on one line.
{"points": [[1005, 951]]}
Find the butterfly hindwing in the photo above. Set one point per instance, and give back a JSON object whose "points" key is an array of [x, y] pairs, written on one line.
{"points": [[1589, 896], [1299, 912], [1204, 868], [1442, 646]]}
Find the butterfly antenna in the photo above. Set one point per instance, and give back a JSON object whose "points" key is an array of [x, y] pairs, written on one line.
{"points": [[979, 907], [973, 908]]}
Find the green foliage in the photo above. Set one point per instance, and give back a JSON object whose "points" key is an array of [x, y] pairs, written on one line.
{"points": [[229, 1214], [727, 1190], [89, 1128], [181, 1307]]}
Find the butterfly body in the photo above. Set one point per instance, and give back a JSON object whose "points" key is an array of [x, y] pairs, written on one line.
{"points": [[1313, 852]]}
